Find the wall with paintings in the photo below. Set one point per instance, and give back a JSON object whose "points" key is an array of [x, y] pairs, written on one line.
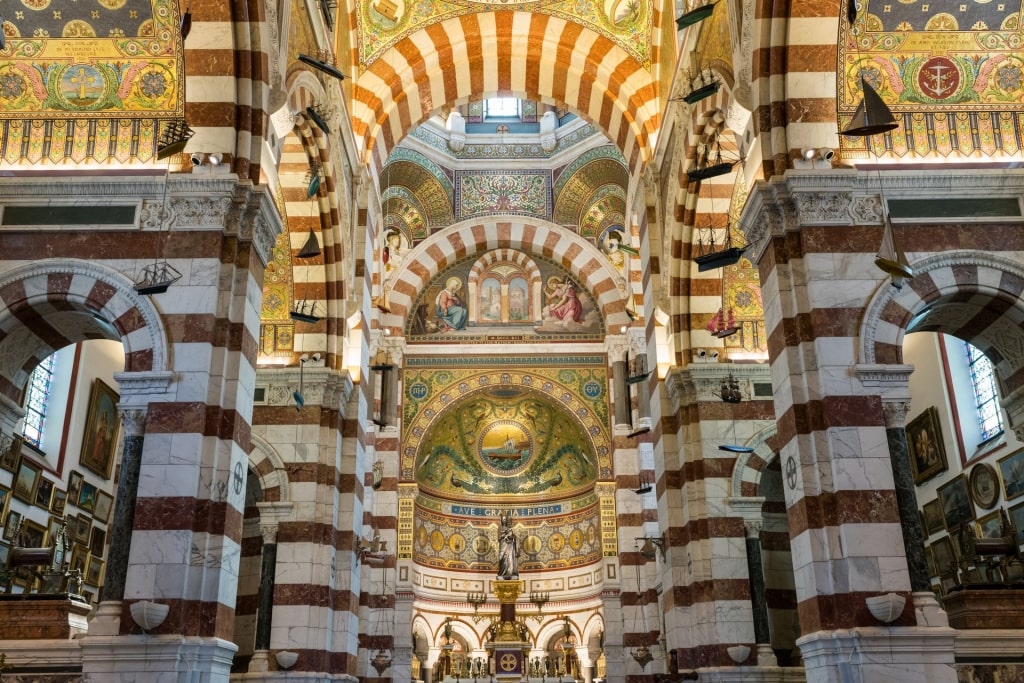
{"points": [[954, 476], [71, 474]]}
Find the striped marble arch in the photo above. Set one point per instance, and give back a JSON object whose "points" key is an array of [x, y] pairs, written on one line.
{"points": [[534, 56]]}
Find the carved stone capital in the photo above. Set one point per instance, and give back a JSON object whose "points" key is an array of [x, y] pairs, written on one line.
{"points": [[616, 346], [753, 527], [895, 413], [269, 532], [681, 390], [134, 420], [637, 340]]}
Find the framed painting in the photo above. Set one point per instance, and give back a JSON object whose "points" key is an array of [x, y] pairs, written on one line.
{"points": [[990, 526], [1012, 470], [9, 456], [5, 550], [75, 480], [79, 558], [33, 535], [924, 444], [26, 481], [11, 523], [87, 497], [44, 492], [957, 507], [984, 486], [97, 541], [101, 425], [59, 501], [932, 513], [945, 557], [94, 572], [5, 500], [1016, 514], [80, 529], [104, 505]]}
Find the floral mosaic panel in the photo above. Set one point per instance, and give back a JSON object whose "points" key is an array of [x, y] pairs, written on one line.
{"points": [[484, 193]]}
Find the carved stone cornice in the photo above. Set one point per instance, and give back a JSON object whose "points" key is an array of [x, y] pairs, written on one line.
{"points": [[321, 386], [707, 379], [892, 381], [137, 389], [1014, 407], [680, 388], [10, 414]]}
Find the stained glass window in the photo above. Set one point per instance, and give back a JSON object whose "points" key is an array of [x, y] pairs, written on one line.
{"points": [[986, 396], [36, 398]]}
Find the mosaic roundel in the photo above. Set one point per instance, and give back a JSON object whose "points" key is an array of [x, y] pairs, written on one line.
{"points": [[505, 447]]}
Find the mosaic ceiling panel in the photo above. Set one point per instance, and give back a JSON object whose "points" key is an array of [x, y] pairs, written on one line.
{"points": [[382, 23], [926, 54], [484, 193], [519, 428], [101, 59]]}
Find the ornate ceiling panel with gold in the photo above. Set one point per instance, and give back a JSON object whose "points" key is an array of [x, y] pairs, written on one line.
{"points": [[92, 60], [382, 23]]}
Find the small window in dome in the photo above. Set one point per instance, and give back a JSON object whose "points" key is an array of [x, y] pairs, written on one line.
{"points": [[502, 106]]}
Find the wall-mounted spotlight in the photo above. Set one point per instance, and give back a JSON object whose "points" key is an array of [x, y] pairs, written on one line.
{"points": [[814, 157]]}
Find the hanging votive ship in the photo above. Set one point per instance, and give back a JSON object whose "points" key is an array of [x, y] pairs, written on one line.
{"points": [[156, 278], [723, 324], [305, 312]]}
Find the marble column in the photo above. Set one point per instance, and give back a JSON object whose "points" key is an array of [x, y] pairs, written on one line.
{"points": [[123, 522], [758, 590], [268, 571], [906, 494]]}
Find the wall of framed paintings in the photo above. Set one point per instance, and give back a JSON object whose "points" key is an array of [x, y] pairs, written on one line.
{"points": [[70, 478], [960, 479]]}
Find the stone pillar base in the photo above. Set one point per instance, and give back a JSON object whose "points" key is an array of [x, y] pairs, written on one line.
{"points": [[908, 654], [748, 674], [155, 659], [107, 619]]}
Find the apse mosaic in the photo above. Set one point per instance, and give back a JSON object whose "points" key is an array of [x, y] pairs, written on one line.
{"points": [[951, 54], [490, 298], [100, 59], [382, 23], [528, 427], [465, 536]]}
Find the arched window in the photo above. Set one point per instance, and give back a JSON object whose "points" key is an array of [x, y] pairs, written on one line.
{"points": [[986, 396], [37, 395]]}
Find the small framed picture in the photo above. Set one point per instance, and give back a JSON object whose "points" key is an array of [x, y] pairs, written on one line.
{"points": [[945, 557], [94, 572], [932, 513], [87, 497], [929, 556], [984, 486], [11, 523], [990, 526], [5, 499], [1012, 470], [9, 456], [5, 550], [54, 527], [26, 481], [33, 535], [924, 441], [75, 480], [97, 541], [79, 558], [44, 492], [104, 505], [81, 529], [1017, 517], [957, 507], [59, 501]]}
